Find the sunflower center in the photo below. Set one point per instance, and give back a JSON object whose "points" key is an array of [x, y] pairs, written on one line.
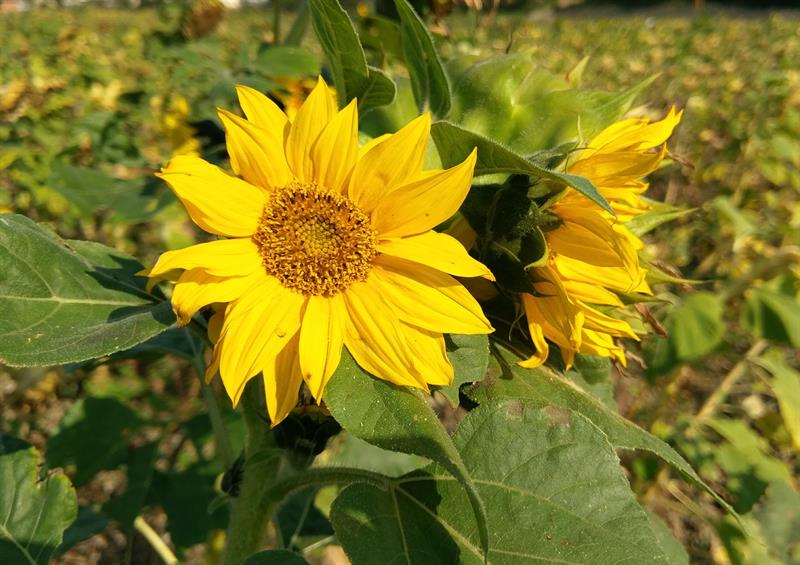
{"points": [[315, 241]]}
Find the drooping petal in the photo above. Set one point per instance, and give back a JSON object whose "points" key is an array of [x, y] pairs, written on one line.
{"points": [[256, 328], [437, 250], [422, 204], [263, 112], [589, 237], [312, 117], [597, 321], [221, 258], [614, 278], [321, 338], [336, 150], [539, 342], [256, 154], [197, 289], [217, 202], [282, 380], [427, 298], [373, 338], [591, 293], [389, 163]]}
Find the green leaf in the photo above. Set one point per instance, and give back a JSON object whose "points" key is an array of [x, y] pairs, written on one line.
{"points": [[696, 327], [559, 496], [340, 42], [673, 550], [544, 387], [398, 419], [455, 144], [90, 437], [69, 301], [658, 214], [90, 190], [428, 79], [34, 513], [380, 91], [469, 355], [772, 315], [281, 60], [747, 452], [275, 557], [347, 450], [779, 521]]}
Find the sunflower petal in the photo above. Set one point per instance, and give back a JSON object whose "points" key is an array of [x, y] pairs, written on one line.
{"points": [[437, 250], [217, 202], [256, 154], [256, 328], [428, 298], [197, 289], [537, 337], [423, 204], [282, 380], [389, 162], [373, 337], [311, 119], [222, 258], [321, 338], [262, 111], [336, 150]]}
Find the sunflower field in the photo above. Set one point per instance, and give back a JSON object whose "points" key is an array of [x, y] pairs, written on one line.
{"points": [[399, 282]]}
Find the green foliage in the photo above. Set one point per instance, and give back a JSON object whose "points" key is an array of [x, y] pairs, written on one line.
{"points": [[35, 513], [398, 419], [544, 387], [275, 557], [428, 79], [559, 495], [351, 75], [69, 301], [455, 143]]}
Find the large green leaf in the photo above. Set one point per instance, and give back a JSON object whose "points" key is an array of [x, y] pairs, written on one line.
{"points": [[352, 77], [398, 419], [527, 108], [428, 79], [34, 513], [554, 489], [340, 42], [455, 144], [69, 301], [544, 387]]}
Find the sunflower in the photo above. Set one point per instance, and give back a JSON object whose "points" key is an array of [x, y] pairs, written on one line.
{"points": [[592, 256], [324, 245]]}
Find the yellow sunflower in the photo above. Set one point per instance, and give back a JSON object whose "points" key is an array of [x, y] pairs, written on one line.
{"points": [[591, 253], [325, 245]]}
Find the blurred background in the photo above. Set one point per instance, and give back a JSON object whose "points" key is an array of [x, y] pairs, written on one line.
{"points": [[95, 96]]}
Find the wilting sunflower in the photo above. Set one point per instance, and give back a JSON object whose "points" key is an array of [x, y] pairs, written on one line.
{"points": [[592, 255], [326, 245]]}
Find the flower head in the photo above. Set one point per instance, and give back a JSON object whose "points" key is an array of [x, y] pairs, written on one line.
{"points": [[591, 254], [325, 245]]}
